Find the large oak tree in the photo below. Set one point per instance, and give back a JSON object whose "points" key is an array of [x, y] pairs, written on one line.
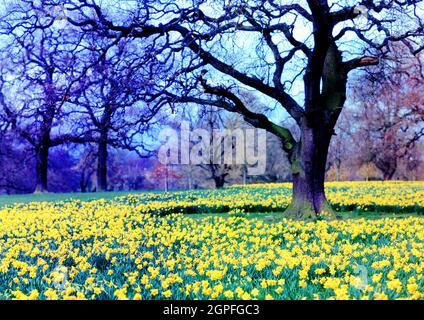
{"points": [[297, 54]]}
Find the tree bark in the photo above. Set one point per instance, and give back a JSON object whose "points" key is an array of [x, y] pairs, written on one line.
{"points": [[102, 155], [244, 175], [166, 179], [387, 167], [388, 175], [41, 166], [83, 181], [219, 181], [325, 94], [308, 162]]}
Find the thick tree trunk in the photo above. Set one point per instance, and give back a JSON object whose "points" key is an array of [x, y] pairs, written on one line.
{"points": [[308, 161], [325, 94], [41, 168], [219, 182], [388, 175], [102, 155], [387, 167]]}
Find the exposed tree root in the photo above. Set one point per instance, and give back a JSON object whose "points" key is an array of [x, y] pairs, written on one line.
{"points": [[304, 210]]}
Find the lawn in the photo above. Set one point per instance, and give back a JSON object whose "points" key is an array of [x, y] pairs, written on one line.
{"points": [[226, 244], [54, 197]]}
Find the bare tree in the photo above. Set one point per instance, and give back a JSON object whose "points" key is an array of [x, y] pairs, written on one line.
{"points": [[34, 89], [312, 44], [113, 112], [218, 169], [389, 114]]}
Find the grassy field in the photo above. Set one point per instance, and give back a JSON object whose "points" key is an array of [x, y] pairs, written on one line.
{"points": [[54, 197], [207, 244]]}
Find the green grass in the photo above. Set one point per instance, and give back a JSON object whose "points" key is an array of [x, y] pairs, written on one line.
{"points": [[274, 216], [36, 197]]}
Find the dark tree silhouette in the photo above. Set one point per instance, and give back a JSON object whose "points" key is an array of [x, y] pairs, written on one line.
{"points": [[113, 112], [38, 89], [271, 47]]}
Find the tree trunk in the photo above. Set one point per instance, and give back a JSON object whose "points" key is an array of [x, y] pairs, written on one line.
{"points": [[83, 182], [387, 167], [166, 179], [41, 168], [244, 175], [388, 175], [102, 163], [325, 94], [190, 181], [219, 181], [338, 169], [308, 162]]}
